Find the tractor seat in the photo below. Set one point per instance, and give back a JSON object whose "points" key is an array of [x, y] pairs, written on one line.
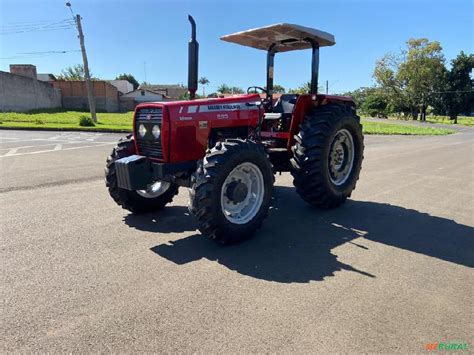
{"points": [[285, 104], [283, 108]]}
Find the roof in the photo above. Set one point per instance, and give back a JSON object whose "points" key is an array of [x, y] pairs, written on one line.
{"points": [[287, 37], [45, 77], [161, 86], [154, 92], [172, 91]]}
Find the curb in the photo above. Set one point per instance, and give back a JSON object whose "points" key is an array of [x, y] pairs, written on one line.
{"points": [[56, 129]]}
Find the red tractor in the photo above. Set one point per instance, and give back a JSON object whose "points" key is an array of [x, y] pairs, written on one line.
{"points": [[227, 150]]}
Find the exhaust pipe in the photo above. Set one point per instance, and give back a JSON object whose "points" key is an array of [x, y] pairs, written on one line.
{"points": [[193, 53]]}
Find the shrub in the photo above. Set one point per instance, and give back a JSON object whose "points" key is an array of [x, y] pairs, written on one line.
{"points": [[86, 121]]}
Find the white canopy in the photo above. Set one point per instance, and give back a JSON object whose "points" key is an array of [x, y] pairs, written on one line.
{"points": [[285, 36]]}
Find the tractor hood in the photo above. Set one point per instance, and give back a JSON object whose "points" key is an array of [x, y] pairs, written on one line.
{"points": [[187, 125], [211, 104]]}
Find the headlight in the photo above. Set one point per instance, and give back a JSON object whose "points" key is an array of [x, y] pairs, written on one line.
{"points": [[141, 130], [156, 131]]}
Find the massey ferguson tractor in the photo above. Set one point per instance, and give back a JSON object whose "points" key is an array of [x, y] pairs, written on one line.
{"points": [[227, 150]]}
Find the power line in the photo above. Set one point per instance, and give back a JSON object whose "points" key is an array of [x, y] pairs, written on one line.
{"points": [[39, 54], [27, 22], [40, 27], [34, 23], [65, 51]]}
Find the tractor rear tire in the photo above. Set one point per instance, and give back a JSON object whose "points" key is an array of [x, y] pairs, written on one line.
{"points": [[327, 156], [141, 201], [232, 190]]}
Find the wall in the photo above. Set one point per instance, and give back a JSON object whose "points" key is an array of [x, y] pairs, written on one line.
{"points": [[19, 93], [74, 95], [27, 70]]}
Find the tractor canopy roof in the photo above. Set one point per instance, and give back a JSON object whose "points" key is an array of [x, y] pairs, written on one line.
{"points": [[285, 36]]}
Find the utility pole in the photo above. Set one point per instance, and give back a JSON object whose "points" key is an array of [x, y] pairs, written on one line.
{"points": [[144, 70], [90, 90], [327, 87]]}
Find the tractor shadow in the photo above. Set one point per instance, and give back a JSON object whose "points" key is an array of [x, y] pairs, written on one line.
{"points": [[295, 245], [172, 219]]}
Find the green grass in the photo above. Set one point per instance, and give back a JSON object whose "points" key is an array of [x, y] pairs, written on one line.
{"points": [[66, 119], [462, 120], [123, 121], [388, 128]]}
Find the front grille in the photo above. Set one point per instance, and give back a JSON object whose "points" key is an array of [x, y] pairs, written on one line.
{"points": [[148, 145], [150, 149]]}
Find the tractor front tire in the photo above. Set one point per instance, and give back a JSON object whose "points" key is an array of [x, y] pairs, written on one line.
{"points": [[140, 201], [232, 190], [327, 156]]}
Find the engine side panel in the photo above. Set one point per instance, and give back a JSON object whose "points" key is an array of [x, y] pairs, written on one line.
{"points": [[192, 121]]}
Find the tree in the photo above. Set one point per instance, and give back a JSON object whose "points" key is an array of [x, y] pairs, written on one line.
{"points": [[75, 72], [278, 89], [369, 100], [226, 89], [304, 88], [457, 95], [408, 79], [130, 78], [360, 95], [204, 81], [374, 105], [186, 96], [236, 90]]}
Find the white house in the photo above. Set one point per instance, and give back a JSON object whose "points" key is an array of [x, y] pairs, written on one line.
{"points": [[123, 86], [143, 95]]}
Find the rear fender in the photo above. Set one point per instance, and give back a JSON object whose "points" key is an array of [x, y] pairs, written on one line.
{"points": [[307, 102]]}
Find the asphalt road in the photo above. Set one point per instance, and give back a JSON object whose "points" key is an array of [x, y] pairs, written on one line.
{"points": [[390, 271]]}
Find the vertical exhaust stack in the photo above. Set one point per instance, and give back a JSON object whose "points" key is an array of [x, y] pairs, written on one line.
{"points": [[193, 54]]}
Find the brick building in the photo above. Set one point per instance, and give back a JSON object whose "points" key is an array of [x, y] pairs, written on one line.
{"points": [[74, 95]]}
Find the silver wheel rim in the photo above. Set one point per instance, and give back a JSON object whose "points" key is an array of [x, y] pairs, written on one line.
{"points": [[154, 190], [341, 157], [242, 212]]}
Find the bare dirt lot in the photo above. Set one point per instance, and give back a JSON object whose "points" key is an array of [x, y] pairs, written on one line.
{"points": [[392, 270]]}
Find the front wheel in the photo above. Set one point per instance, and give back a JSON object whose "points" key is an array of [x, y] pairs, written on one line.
{"points": [[154, 198], [232, 191], [327, 156]]}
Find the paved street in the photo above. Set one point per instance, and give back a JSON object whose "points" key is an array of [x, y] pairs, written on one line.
{"points": [[389, 271]]}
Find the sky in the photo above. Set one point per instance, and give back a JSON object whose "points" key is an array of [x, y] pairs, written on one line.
{"points": [[148, 38]]}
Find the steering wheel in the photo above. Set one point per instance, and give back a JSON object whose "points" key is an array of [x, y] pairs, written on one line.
{"points": [[267, 101], [255, 88]]}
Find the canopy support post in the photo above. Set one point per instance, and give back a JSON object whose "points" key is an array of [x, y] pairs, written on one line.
{"points": [[270, 65], [314, 65]]}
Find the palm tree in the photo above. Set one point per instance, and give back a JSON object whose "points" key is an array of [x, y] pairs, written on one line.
{"points": [[203, 81]]}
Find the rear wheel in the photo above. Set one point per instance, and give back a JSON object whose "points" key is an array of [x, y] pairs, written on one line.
{"points": [[154, 198], [327, 156], [232, 191]]}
